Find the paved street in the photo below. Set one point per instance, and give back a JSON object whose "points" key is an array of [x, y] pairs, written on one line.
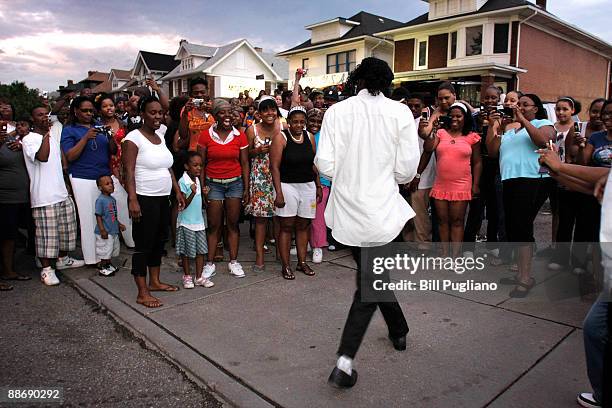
{"points": [[264, 341], [54, 337]]}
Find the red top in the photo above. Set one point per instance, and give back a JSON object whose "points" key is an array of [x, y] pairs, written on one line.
{"points": [[223, 157], [115, 163]]}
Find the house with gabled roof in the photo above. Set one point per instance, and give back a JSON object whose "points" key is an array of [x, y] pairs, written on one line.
{"points": [[514, 44], [337, 45], [229, 69], [151, 64]]}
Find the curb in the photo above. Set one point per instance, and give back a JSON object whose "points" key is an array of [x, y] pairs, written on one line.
{"points": [[225, 388]]}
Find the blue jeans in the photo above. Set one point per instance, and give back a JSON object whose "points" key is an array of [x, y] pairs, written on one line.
{"points": [[221, 191], [596, 337]]}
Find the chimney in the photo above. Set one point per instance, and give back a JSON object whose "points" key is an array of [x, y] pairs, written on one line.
{"points": [[183, 41], [541, 4], [90, 73], [258, 49], [70, 82]]}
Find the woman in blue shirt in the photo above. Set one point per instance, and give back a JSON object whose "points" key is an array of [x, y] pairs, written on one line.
{"points": [[88, 153], [525, 185]]}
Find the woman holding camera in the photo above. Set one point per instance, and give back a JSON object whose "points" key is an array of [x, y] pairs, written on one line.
{"points": [[458, 173], [88, 148], [525, 185]]}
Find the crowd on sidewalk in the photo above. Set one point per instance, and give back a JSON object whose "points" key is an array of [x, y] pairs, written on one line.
{"points": [[148, 170]]}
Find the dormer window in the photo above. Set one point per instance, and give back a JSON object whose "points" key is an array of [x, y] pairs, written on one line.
{"points": [[186, 64]]}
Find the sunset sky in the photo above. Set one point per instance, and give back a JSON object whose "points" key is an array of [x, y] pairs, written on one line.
{"points": [[45, 42]]}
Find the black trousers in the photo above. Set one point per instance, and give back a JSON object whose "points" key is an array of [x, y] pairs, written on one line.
{"points": [[579, 224], [150, 233], [488, 200], [361, 313]]}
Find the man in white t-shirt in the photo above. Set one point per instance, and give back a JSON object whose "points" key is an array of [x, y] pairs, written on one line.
{"points": [[52, 208]]}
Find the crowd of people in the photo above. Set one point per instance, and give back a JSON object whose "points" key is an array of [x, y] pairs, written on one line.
{"points": [[188, 170]]}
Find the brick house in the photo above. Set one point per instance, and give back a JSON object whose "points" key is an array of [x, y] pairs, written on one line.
{"points": [[514, 44]]}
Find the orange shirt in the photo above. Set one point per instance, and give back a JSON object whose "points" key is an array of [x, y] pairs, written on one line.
{"points": [[197, 124]]}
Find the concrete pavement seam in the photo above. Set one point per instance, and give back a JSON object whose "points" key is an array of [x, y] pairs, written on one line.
{"points": [[524, 373], [216, 379], [162, 309]]}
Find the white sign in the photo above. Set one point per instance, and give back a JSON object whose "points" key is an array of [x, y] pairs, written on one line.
{"points": [[321, 81], [230, 87]]}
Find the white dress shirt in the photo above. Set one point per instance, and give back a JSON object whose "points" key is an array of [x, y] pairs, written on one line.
{"points": [[368, 145]]}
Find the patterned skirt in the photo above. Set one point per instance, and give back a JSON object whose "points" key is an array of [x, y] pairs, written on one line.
{"points": [[261, 189], [190, 243]]}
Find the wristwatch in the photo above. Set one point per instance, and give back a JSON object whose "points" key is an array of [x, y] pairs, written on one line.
{"points": [[417, 176]]}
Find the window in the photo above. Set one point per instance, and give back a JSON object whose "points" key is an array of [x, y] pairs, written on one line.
{"points": [[341, 62], [422, 53], [305, 63], [500, 38], [453, 45], [183, 85], [473, 41]]}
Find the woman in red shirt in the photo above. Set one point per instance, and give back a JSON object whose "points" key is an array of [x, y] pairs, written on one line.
{"points": [[226, 184]]}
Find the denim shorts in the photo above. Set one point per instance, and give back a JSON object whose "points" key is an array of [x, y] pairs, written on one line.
{"points": [[220, 191]]}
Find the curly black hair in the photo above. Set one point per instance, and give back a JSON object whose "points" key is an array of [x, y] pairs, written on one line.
{"points": [[372, 74]]}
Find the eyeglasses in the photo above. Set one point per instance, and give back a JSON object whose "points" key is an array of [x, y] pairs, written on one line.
{"points": [[87, 110]]}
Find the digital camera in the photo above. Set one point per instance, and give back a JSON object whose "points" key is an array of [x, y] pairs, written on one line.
{"points": [[445, 122]]}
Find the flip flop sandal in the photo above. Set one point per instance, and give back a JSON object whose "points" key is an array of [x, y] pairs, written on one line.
{"points": [[508, 281], [169, 288], [304, 268], [16, 278], [151, 304], [516, 293], [5, 288], [287, 273]]}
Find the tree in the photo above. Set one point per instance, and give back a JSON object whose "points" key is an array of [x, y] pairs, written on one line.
{"points": [[21, 97]]}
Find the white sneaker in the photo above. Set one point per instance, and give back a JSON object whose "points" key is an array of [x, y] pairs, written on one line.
{"points": [[468, 254], [47, 276], [209, 271], [587, 400], [187, 282], [202, 281], [106, 271], [553, 266], [317, 255], [68, 262], [293, 251], [236, 270]]}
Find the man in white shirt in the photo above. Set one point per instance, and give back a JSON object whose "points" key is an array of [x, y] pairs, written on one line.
{"points": [[368, 145], [52, 208]]}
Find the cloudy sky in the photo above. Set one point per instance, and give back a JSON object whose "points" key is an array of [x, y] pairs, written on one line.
{"points": [[45, 42]]}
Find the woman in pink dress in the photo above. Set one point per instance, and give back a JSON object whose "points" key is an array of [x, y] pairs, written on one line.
{"points": [[458, 173]]}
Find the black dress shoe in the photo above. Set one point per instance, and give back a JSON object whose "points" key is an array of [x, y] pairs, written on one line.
{"points": [[340, 379], [399, 343]]}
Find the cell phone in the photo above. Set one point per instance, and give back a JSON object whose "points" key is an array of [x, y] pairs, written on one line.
{"points": [[3, 126], [508, 111], [425, 114], [577, 128]]}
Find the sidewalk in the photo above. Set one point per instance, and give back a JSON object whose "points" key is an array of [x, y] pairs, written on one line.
{"points": [[264, 341]]}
